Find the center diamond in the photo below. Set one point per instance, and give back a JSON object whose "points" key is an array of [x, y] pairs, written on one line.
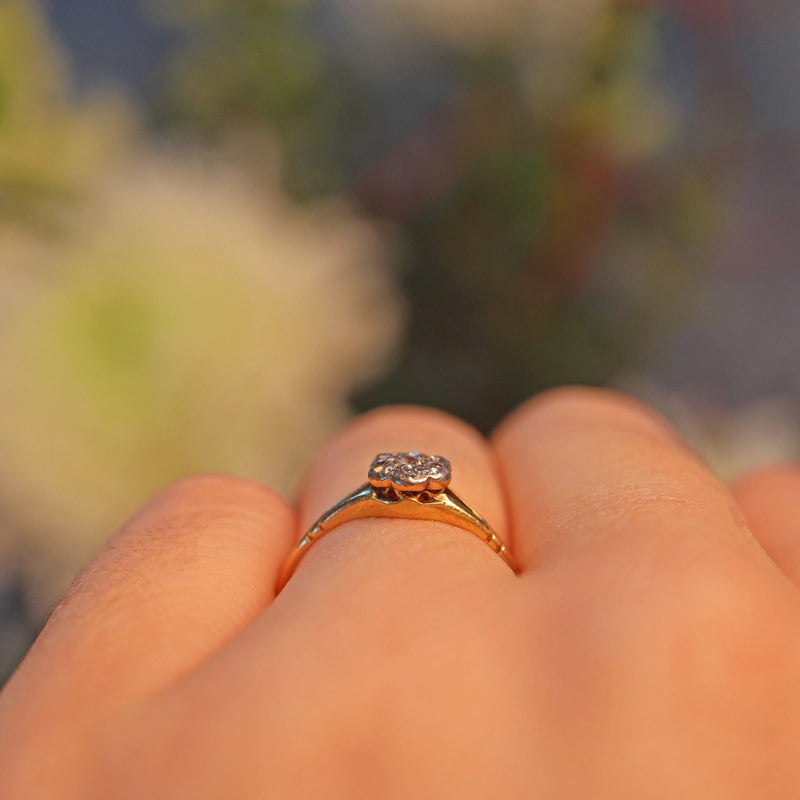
{"points": [[410, 472]]}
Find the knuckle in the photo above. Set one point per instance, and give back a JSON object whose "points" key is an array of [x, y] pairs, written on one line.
{"points": [[675, 493], [679, 504]]}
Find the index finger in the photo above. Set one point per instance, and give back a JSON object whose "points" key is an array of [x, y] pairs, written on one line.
{"points": [[180, 578]]}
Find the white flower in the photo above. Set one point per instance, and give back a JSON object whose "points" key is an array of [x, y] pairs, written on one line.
{"points": [[190, 322]]}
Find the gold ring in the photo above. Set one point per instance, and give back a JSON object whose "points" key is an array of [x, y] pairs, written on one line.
{"points": [[403, 486]]}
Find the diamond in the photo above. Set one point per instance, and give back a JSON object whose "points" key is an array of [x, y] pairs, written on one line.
{"points": [[410, 472]]}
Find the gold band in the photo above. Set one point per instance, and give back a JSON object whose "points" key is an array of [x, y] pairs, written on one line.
{"points": [[369, 501]]}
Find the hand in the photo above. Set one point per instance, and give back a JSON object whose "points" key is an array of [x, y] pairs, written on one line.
{"points": [[650, 647]]}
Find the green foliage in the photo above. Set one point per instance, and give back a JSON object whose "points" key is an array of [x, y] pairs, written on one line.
{"points": [[50, 146], [254, 63]]}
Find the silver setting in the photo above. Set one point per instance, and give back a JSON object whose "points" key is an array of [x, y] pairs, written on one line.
{"points": [[410, 472]]}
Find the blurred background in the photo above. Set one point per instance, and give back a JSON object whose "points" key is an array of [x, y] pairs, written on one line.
{"points": [[227, 225]]}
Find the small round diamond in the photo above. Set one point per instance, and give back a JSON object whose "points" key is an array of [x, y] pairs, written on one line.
{"points": [[410, 472]]}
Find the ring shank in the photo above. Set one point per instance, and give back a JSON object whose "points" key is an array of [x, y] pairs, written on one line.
{"points": [[366, 503]]}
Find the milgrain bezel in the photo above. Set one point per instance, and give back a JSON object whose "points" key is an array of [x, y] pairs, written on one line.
{"points": [[410, 472]]}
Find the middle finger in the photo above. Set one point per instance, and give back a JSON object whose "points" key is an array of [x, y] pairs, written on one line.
{"points": [[591, 472]]}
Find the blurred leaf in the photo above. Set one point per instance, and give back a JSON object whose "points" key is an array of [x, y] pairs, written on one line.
{"points": [[256, 62], [50, 146]]}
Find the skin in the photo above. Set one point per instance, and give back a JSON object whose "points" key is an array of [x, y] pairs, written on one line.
{"points": [[649, 647]]}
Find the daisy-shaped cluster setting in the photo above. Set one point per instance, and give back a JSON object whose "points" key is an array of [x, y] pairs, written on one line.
{"points": [[410, 472]]}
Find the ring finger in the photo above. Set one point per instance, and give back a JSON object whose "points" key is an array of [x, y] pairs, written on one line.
{"points": [[415, 552], [375, 624]]}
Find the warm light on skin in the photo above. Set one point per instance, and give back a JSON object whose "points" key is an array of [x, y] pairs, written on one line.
{"points": [[652, 616]]}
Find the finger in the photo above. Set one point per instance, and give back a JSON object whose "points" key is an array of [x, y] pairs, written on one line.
{"points": [[389, 607], [770, 499], [590, 471], [411, 550], [180, 578]]}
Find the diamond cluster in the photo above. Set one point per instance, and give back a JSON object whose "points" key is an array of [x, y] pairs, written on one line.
{"points": [[410, 472]]}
